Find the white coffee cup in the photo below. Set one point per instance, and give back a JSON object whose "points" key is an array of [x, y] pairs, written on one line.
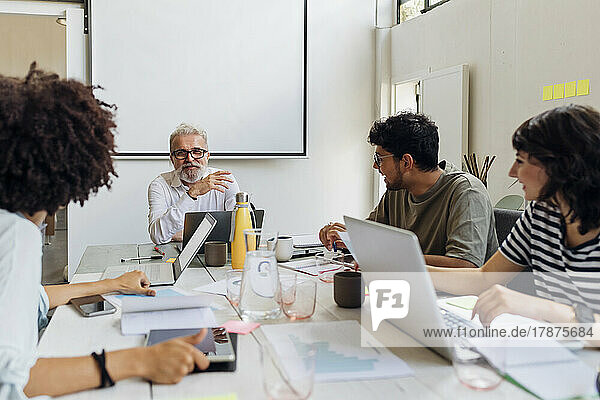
{"points": [[285, 248]]}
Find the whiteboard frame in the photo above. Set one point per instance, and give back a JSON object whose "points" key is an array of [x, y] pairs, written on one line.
{"points": [[144, 155]]}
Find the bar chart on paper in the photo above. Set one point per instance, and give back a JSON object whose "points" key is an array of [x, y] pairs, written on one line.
{"points": [[339, 356]]}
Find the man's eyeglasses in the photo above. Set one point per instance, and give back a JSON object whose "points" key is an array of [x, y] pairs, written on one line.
{"points": [[377, 158], [181, 154]]}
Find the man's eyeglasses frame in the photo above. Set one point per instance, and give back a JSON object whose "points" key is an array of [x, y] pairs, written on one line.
{"points": [[179, 152]]}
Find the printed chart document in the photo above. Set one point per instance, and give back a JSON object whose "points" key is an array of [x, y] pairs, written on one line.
{"points": [[339, 356], [139, 315]]}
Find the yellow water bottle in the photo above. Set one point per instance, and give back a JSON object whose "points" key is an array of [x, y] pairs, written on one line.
{"points": [[242, 220]]}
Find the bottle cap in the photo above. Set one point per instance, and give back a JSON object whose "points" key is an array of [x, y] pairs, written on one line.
{"points": [[241, 197]]}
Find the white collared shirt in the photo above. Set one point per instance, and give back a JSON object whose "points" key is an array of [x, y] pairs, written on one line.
{"points": [[168, 202], [23, 301]]}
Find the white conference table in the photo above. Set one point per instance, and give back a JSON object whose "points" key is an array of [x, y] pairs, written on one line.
{"points": [[70, 334]]}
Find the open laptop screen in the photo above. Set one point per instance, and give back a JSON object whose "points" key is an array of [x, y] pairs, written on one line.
{"points": [[191, 248]]}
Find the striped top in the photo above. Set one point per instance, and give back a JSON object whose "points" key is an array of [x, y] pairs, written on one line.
{"points": [[562, 274]]}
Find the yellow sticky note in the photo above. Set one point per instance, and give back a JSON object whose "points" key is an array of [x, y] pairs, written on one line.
{"points": [[547, 95], [559, 91], [583, 87], [570, 89], [172, 259], [466, 302]]}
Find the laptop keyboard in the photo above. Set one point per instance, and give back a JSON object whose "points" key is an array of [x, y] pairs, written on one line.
{"points": [[151, 271], [454, 321]]}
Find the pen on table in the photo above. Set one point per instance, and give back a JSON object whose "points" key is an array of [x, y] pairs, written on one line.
{"points": [[155, 257], [158, 250]]}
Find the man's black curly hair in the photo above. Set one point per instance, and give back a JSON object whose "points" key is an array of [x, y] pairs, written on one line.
{"points": [[566, 141], [56, 142], [408, 133]]}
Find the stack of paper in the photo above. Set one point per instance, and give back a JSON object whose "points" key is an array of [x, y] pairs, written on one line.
{"points": [[546, 369], [139, 315]]}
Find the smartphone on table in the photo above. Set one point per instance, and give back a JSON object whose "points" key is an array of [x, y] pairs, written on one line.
{"points": [[92, 306], [217, 345]]}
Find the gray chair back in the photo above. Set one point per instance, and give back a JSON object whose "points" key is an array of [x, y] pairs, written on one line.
{"points": [[505, 220]]}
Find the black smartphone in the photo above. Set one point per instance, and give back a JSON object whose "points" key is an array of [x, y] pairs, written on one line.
{"points": [[92, 306]]}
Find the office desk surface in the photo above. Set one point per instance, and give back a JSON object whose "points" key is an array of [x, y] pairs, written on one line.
{"points": [[69, 334]]}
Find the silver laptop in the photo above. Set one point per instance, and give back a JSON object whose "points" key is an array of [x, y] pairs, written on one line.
{"points": [[168, 273], [383, 248]]}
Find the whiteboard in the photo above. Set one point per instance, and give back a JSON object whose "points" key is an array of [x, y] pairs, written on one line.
{"points": [[225, 65]]}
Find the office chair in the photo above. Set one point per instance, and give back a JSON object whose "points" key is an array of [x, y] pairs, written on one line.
{"points": [[505, 220], [511, 202]]}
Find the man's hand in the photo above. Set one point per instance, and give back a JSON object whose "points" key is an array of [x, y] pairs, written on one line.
{"points": [[329, 234], [170, 361], [215, 181], [178, 237], [134, 282]]}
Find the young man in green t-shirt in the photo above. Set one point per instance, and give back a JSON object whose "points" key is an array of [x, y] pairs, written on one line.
{"points": [[449, 210]]}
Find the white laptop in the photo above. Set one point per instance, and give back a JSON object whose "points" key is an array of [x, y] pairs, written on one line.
{"points": [[168, 273], [383, 248]]}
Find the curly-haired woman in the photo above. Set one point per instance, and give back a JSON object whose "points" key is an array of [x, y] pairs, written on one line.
{"points": [[56, 144], [558, 164]]}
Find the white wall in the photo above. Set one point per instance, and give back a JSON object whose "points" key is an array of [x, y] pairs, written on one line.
{"points": [[300, 195], [513, 48]]}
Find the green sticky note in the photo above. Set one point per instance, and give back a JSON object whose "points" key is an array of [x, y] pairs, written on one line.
{"points": [[559, 91], [466, 302], [570, 89], [583, 87], [547, 95]]}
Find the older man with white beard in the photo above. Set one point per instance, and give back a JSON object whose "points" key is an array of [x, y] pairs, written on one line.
{"points": [[191, 186]]}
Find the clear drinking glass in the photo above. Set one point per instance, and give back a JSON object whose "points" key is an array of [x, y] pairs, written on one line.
{"points": [[234, 285], [328, 264], [302, 304], [472, 369], [288, 376], [260, 281], [287, 287]]}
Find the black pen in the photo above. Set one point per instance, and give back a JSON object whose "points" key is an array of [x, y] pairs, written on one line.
{"points": [[154, 257]]}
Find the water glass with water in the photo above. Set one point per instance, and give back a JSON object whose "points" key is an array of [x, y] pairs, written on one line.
{"points": [[260, 283], [234, 285]]}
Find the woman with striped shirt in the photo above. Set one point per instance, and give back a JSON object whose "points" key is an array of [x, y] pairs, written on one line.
{"points": [[558, 164]]}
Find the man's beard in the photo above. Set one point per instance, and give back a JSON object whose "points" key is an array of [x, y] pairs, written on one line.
{"points": [[191, 175], [398, 183]]}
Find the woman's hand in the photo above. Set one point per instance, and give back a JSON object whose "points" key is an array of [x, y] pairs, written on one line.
{"points": [[134, 282], [170, 361], [499, 300]]}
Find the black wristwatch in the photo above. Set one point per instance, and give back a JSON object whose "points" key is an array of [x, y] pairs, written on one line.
{"points": [[583, 314]]}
